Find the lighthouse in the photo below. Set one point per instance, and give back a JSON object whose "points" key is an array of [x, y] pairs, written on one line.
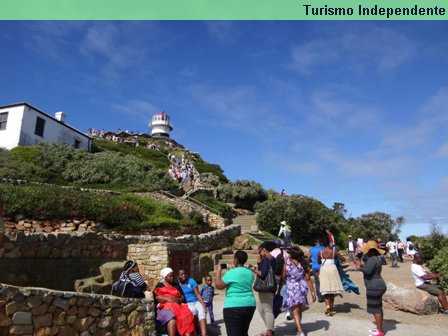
{"points": [[160, 125]]}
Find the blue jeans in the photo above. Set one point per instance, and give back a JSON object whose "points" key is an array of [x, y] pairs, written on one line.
{"points": [[237, 320], [320, 298]]}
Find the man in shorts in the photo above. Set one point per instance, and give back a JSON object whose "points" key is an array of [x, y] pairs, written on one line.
{"points": [[422, 281]]}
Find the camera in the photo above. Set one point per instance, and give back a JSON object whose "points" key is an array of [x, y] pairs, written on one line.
{"points": [[223, 266]]}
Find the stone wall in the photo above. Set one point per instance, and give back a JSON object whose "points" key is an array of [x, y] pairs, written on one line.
{"points": [[47, 226], [39, 312], [69, 250]]}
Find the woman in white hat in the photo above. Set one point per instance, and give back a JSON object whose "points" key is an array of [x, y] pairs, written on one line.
{"points": [[375, 285]]}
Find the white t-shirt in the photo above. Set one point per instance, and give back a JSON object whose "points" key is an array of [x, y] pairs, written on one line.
{"points": [[351, 246], [418, 272], [392, 246]]}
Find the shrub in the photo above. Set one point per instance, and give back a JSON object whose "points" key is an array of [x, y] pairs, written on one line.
{"points": [[307, 217], [122, 212], [440, 264], [431, 244], [204, 167], [245, 194]]}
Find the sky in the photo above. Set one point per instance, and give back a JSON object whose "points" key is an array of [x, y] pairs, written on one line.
{"points": [[351, 111]]}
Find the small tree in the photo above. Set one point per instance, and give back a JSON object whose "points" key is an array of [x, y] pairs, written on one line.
{"points": [[307, 217], [376, 225]]}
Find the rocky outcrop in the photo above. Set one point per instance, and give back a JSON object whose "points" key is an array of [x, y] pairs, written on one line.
{"points": [[411, 300]]}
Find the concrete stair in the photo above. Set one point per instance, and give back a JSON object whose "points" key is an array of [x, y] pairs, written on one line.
{"points": [[247, 222], [227, 258]]}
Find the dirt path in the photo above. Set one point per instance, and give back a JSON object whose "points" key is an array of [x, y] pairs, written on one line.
{"points": [[351, 318]]}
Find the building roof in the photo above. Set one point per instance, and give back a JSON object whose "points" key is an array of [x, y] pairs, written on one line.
{"points": [[45, 114]]}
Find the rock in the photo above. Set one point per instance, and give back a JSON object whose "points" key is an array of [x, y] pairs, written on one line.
{"points": [[22, 318], [241, 243], [42, 321], [21, 329], [105, 322], [14, 307], [411, 300]]}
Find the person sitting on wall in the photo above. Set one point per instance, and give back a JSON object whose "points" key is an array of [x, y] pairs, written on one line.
{"points": [[131, 274], [422, 279], [194, 299], [172, 311]]}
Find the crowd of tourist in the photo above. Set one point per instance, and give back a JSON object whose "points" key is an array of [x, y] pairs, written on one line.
{"points": [[282, 279], [182, 170]]}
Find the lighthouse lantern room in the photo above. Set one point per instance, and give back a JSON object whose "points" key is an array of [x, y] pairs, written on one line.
{"points": [[160, 125]]}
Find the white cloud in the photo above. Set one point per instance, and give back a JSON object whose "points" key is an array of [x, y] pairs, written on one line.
{"points": [[355, 49]]}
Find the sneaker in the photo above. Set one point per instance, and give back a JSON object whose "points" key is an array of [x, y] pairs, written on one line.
{"points": [[301, 333], [288, 315], [444, 311], [373, 331]]}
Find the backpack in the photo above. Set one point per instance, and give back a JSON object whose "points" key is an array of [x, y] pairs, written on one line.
{"points": [[279, 262], [411, 247], [123, 288]]}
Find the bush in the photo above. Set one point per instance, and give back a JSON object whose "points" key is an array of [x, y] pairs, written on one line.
{"points": [[428, 246], [307, 217], [19, 166], [440, 264], [204, 167], [245, 194], [122, 212]]}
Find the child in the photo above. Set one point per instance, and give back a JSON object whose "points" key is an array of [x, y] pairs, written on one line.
{"points": [[207, 292]]}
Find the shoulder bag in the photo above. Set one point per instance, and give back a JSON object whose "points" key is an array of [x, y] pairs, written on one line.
{"points": [[266, 285]]}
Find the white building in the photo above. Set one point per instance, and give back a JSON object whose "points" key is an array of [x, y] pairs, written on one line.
{"points": [[24, 125], [160, 125]]}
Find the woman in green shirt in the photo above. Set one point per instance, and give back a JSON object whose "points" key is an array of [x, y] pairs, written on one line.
{"points": [[239, 304]]}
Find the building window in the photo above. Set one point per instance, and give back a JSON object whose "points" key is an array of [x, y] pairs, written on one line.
{"points": [[3, 120], [77, 143], [40, 125]]}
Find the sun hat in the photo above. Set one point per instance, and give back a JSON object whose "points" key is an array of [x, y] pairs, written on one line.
{"points": [[283, 223], [371, 244], [350, 236]]}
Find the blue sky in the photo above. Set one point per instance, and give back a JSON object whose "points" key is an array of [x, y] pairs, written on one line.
{"points": [[353, 112]]}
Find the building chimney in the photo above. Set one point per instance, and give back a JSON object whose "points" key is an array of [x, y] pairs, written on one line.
{"points": [[60, 116]]}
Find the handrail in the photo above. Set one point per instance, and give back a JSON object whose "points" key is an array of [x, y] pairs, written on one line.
{"points": [[193, 200]]}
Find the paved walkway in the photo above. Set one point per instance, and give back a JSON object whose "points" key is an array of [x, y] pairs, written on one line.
{"points": [[351, 319]]}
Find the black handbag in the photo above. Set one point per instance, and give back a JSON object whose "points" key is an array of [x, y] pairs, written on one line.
{"points": [[267, 285]]}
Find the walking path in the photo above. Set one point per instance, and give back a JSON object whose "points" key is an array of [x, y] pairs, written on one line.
{"points": [[351, 318]]}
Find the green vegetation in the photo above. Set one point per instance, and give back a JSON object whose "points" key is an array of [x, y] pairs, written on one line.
{"points": [[204, 167], [244, 194], [155, 158], [307, 217], [123, 212], [212, 202]]}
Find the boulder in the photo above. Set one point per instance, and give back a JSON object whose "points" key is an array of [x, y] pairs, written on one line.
{"points": [[241, 243], [411, 300]]}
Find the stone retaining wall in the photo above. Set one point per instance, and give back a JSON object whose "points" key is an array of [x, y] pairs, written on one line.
{"points": [[151, 252], [41, 312], [48, 226]]}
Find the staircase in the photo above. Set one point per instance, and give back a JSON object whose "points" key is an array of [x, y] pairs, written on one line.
{"points": [[247, 223]]}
